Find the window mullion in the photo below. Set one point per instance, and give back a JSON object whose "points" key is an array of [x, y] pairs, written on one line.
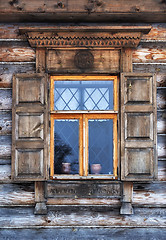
{"points": [[85, 142], [81, 147]]}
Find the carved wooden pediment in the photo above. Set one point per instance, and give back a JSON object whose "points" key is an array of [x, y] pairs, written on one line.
{"points": [[83, 36]]}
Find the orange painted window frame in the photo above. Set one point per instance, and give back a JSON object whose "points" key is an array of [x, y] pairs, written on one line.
{"points": [[83, 117]]}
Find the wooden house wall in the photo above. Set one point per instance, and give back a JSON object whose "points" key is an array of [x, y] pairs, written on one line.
{"points": [[17, 199]]}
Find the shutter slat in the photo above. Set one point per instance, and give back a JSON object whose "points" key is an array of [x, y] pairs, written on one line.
{"points": [[138, 127]]}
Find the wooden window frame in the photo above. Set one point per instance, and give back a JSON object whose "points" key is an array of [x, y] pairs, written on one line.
{"points": [[83, 116]]}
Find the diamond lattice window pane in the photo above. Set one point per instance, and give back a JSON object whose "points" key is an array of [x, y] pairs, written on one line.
{"points": [[66, 146], [96, 99], [101, 146], [83, 95], [66, 96]]}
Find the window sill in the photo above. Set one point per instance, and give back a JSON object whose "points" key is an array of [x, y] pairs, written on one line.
{"points": [[77, 177]]}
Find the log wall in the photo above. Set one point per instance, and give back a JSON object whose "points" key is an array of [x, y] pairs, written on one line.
{"points": [[82, 10], [17, 200]]}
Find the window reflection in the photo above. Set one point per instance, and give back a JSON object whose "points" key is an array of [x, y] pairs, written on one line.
{"points": [[66, 146], [100, 146]]}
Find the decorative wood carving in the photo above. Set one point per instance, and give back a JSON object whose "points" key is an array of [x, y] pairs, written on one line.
{"points": [[83, 189], [84, 59], [82, 36], [67, 40]]}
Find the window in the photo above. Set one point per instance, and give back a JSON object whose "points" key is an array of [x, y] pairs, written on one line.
{"points": [[84, 126]]}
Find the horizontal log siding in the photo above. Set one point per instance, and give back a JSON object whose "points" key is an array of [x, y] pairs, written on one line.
{"points": [[17, 57], [84, 233], [81, 216]]}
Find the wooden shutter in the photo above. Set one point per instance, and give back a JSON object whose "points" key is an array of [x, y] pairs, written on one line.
{"points": [[138, 127], [30, 127]]}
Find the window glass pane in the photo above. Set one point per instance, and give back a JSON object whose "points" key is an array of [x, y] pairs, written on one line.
{"points": [[66, 146], [83, 95], [101, 146]]}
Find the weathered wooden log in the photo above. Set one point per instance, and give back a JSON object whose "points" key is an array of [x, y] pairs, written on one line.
{"points": [[161, 122], [17, 194], [5, 147], [17, 54], [7, 71], [161, 80], [5, 99], [161, 98], [157, 32], [5, 173], [149, 55], [26, 54], [124, 233], [161, 146], [81, 6], [149, 194], [5, 122], [162, 170], [82, 10], [81, 216], [11, 31], [158, 68]]}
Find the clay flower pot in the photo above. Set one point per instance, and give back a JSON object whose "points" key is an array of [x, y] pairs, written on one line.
{"points": [[66, 168], [95, 168]]}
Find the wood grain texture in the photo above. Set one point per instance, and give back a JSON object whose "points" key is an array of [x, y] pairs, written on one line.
{"points": [[162, 170], [82, 6], [161, 147], [5, 146], [17, 54], [17, 194], [158, 32], [149, 194], [11, 31], [127, 193], [149, 55], [85, 233], [63, 61], [158, 68], [42, 17], [144, 195], [5, 173], [5, 122], [7, 71], [161, 98], [161, 122], [138, 144], [29, 132], [5, 99], [81, 216], [23, 194], [161, 80]]}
